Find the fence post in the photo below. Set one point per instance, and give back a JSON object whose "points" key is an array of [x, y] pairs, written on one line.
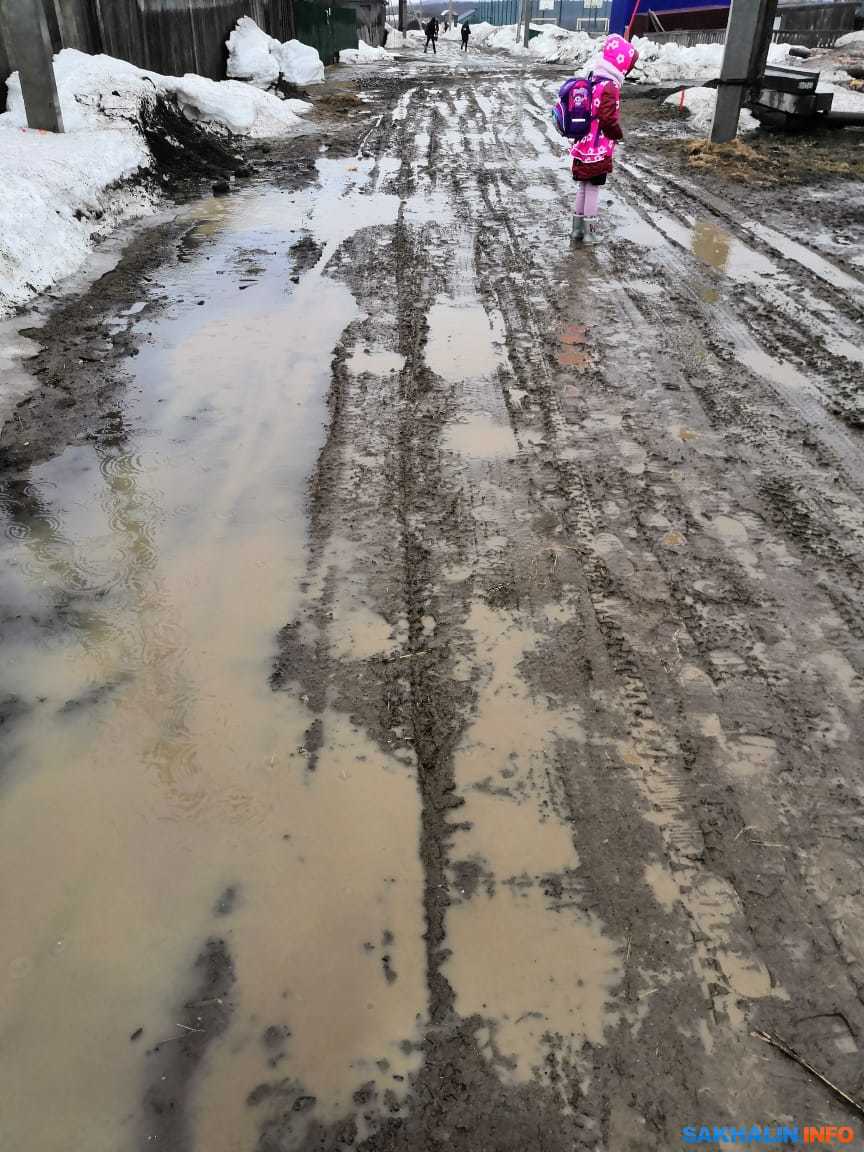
{"points": [[747, 37], [28, 43]]}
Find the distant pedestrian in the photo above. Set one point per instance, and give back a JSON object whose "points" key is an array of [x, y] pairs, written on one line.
{"points": [[466, 32], [431, 31], [446, 26], [595, 100]]}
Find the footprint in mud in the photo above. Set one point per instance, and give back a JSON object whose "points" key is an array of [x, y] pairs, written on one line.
{"points": [[227, 902]]}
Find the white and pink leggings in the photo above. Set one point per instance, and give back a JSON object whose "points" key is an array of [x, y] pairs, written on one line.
{"points": [[587, 196]]}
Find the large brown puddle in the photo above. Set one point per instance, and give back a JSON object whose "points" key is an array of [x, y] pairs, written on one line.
{"points": [[158, 791]]}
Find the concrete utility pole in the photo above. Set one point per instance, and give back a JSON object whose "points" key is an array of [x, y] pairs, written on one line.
{"points": [[526, 13], [28, 43], [747, 38], [402, 20]]}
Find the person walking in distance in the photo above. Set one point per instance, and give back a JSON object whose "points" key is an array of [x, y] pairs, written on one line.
{"points": [[600, 93], [431, 31], [466, 32]]}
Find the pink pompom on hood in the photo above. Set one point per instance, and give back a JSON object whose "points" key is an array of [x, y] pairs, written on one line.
{"points": [[618, 58]]}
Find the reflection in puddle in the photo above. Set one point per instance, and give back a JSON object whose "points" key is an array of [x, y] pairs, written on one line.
{"points": [[478, 436], [465, 342], [777, 371], [154, 769], [819, 265], [572, 352], [711, 244], [379, 362]]}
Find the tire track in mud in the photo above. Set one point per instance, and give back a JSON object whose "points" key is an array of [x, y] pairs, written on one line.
{"points": [[796, 316], [724, 401], [837, 276], [773, 676], [657, 668], [655, 752], [393, 514], [733, 401], [458, 1094]]}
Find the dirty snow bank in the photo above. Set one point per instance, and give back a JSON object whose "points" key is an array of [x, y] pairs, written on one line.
{"points": [[61, 193], [365, 54], [300, 63], [99, 91], [700, 103], [851, 40], [552, 45], [480, 32], [58, 195], [260, 59], [845, 100], [657, 64]]}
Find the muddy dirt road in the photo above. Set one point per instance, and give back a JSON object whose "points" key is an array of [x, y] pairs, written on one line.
{"points": [[431, 684]]}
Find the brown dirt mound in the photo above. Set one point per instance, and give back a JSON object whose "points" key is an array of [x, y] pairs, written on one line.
{"points": [[181, 149]]}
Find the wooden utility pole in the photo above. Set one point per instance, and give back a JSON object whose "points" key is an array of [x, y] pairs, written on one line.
{"points": [[526, 13], [402, 20], [28, 43], [748, 36]]}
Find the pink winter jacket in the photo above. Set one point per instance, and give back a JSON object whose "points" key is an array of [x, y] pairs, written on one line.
{"points": [[592, 155]]}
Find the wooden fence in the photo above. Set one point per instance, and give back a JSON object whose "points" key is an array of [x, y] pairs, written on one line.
{"points": [[178, 36]]}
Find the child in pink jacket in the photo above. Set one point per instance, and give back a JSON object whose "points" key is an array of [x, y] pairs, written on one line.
{"points": [[592, 155]]}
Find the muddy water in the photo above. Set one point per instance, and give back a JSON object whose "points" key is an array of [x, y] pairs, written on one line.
{"points": [[158, 792], [554, 967], [523, 955]]}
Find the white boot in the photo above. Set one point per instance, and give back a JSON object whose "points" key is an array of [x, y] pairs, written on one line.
{"points": [[589, 230]]}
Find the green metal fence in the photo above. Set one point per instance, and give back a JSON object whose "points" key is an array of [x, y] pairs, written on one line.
{"points": [[327, 29]]}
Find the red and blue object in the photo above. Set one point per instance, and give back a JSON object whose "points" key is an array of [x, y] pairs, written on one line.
{"points": [[671, 13]]}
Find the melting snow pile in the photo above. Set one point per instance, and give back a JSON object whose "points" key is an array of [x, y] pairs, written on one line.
{"points": [[480, 32], [56, 198], [260, 59], [365, 54], [853, 40], [552, 44], [700, 103], [657, 64], [99, 91], [59, 193], [845, 100], [300, 63]]}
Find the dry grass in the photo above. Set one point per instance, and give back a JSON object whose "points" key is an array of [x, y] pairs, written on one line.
{"points": [[336, 101], [768, 160], [735, 159]]}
